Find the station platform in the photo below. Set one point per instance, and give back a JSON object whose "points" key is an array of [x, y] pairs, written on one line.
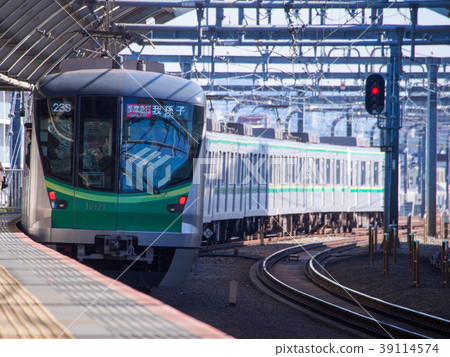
{"points": [[44, 294]]}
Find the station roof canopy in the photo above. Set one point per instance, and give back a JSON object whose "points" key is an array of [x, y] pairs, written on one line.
{"points": [[36, 35]]}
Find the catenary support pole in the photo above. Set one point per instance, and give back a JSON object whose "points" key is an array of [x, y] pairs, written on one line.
{"points": [[430, 199], [393, 124]]}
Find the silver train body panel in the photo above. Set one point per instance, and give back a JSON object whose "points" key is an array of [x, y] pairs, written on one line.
{"points": [[290, 178]]}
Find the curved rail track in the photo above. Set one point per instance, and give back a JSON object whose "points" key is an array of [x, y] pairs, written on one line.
{"points": [[297, 275]]}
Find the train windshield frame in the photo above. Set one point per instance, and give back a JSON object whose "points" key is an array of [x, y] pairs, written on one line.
{"points": [[119, 144]]}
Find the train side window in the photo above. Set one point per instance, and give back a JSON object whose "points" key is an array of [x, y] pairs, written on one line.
{"points": [[238, 169], [262, 170], [333, 172], [375, 174], [352, 174], [207, 171], [258, 169], [328, 171], [363, 173], [276, 170], [224, 170], [55, 121], [218, 167], [254, 166], [270, 170], [345, 172], [338, 172], [317, 171], [232, 170], [301, 163], [309, 171], [280, 173], [294, 170]]}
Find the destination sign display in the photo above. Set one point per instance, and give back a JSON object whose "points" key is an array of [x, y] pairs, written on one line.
{"points": [[139, 110]]}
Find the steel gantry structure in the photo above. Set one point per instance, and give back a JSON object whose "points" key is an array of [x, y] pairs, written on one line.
{"points": [[238, 49]]}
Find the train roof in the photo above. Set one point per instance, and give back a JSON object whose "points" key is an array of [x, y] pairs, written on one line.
{"points": [[287, 145], [121, 82]]}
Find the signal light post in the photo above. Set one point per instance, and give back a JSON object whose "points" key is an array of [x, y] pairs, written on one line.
{"points": [[391, 123]]}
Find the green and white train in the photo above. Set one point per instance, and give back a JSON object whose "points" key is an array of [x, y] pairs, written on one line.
{"points": [[109, 171], [121, 174]]}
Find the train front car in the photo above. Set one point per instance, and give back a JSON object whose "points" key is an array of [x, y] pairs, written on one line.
{"points": [[112, 180]]}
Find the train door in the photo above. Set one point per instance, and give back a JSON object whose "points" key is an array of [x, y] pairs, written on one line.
{"points": [[95, 199]]}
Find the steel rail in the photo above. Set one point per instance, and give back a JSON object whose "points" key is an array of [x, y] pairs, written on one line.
{"points": [[417, 318], [321, 307]]}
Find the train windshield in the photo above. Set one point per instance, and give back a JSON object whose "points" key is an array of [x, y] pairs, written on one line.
{"points": [[55, 119], [160, 138], [96, 164]]}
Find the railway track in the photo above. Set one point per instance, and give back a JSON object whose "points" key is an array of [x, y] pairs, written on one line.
{"points": [[416, 225], [296, 275]]}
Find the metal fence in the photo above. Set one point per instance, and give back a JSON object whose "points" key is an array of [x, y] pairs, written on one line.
{"points": [[11, 196]]}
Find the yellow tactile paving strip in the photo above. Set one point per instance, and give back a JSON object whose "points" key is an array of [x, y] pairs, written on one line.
{"points": [[22, 315]]}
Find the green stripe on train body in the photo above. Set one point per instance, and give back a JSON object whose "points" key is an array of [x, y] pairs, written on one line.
{"points": [[98, 210]]}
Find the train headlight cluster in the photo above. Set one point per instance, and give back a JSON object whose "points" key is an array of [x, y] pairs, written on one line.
{"points": [[375, 94], [55, 203]]}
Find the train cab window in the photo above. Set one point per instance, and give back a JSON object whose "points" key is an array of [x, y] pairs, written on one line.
{"points": [[55, 121], [160, 139], [96, 163]]}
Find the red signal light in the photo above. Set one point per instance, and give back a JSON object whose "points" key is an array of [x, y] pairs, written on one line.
{"points": [[374, 101], [182, 200]]}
